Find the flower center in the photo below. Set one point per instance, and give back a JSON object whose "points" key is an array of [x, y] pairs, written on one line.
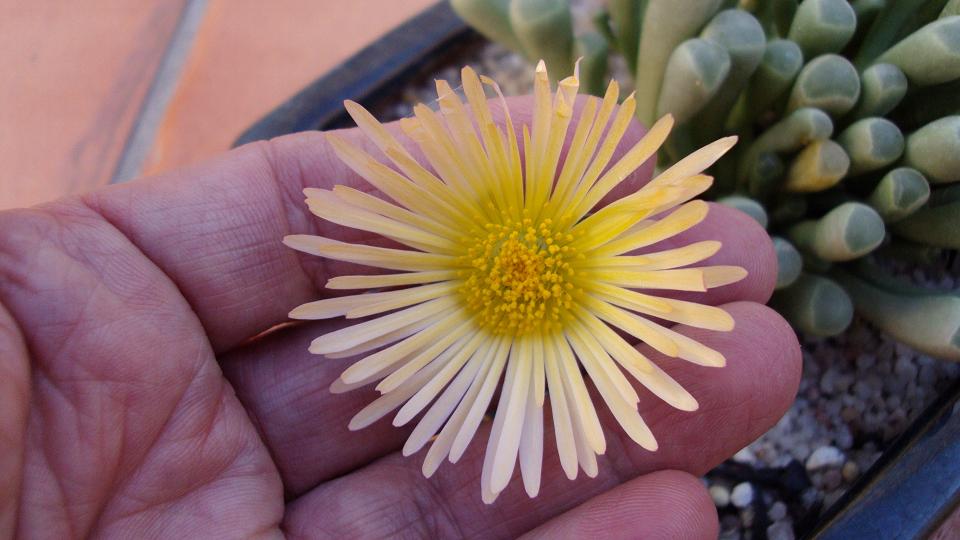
{"points": [[519, 278]]}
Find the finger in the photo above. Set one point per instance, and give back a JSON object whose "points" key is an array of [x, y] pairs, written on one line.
{"points": [[664, 504], [737, 404], [124, 386], [286, 392], [14, 400], [216, 228]]}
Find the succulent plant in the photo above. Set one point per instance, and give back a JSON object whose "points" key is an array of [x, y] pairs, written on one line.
{"points": [[849, 118]]}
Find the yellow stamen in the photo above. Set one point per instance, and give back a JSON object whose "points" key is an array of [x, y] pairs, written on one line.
{"points": [[518, 278]]}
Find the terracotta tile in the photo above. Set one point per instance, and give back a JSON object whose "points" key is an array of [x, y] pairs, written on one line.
{"points": [[74, 77], [248, 58]]}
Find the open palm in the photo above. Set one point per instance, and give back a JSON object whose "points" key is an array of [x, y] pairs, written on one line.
{"points": [[140, 397]]}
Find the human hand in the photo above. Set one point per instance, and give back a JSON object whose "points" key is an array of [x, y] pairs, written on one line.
{"points": [[136, 399]]}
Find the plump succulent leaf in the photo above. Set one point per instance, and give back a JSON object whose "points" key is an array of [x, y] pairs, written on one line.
{"points": [[815, 305]]}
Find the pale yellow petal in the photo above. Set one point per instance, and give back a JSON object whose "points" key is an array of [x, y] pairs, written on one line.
{"points": [[720, 275], [480, 404], [642, 151], [639, 366], [379, 340], [531, 444], [539, 382], [680, 311], [676, 222], [599, 163], [351, 336], [678, 279], [392, 148], [424, 357], [326, 205], [452, 360], [503, 443], [696, 162], [389, 301], [625, 412], [393, 184], [391, 259], [444, 406], [382, 406], [581, 404], [377, 281], [663, 386], [440, 449], [634, 325], [327, 308], [407, 349], [370, 203], [594, 358], [562, 424]]}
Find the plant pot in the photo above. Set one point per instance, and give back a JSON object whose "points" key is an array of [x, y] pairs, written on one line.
{"points": [[905, 494]]}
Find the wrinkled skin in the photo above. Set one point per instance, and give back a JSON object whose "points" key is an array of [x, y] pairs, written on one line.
{"points": [[136, 399]]}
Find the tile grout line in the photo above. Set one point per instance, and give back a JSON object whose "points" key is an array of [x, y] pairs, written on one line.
{"points": [[144, 132]]}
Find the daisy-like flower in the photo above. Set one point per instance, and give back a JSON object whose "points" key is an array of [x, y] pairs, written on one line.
{"points": [[514, 273]]}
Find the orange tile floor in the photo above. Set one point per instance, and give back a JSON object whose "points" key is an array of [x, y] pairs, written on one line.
{"points": [[106, 90]]}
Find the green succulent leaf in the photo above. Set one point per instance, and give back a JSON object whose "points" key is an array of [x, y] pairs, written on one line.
{"points": [[694, 73], [900, 193], [665, 24], [592, 50], [871, 143], [789, 262], [828, 82], [847, 232], [748, 206], [883, 86], [934, 150], [491, 18], [823, 26], [544, 29], [937, 224], [928, 321], [931, 55], [815, 305]]}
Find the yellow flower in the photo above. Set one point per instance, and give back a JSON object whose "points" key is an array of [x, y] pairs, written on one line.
{"points": [[510, 276]]}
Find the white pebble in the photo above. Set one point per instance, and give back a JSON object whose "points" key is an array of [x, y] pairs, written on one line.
{"points": [[781, 530], [745, 455], [777, 511], [825, 456], [742, 495], [720, 495]]}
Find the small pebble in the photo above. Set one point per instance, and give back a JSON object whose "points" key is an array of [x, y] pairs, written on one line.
{"points": [[747, 516], [742, 495], [831, 480], [730, 523], [850, 471], [810, 497], [781, 530], [745, 455], [720, 495], [777, 511], [825, 456]]}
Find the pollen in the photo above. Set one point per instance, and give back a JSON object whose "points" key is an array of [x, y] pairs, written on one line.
{"points": [[518, 278]]}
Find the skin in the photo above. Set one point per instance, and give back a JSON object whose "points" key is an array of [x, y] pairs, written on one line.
{"points": [[140, 397]]}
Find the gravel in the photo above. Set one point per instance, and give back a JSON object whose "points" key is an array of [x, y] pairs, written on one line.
{"points": [[825, 456], [742, 495]]}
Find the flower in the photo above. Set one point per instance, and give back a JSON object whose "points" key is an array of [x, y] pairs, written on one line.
{"points": [[508, 275]]}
